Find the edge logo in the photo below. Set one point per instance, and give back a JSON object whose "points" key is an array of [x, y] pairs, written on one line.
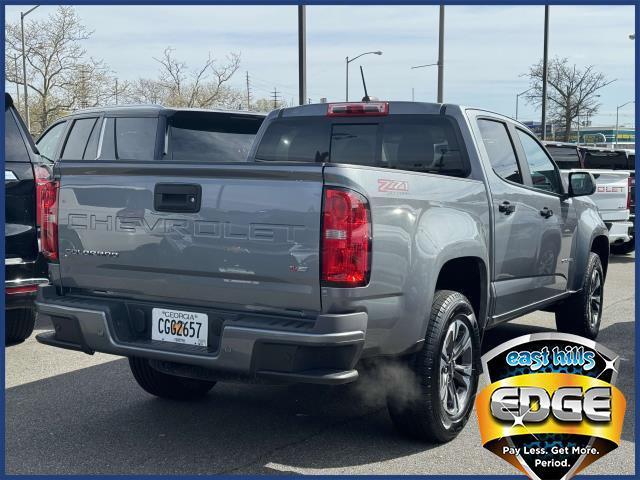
{"points": [[551, 407]]}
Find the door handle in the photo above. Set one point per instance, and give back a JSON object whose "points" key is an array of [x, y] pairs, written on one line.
{"points": [[506, 208], [546, 212], [177, 197]]}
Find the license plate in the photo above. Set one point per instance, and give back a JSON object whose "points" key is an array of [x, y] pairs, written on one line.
{"points": [[176, 326]]}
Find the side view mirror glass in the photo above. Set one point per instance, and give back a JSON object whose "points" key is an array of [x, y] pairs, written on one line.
{"points": [[581, 183]]}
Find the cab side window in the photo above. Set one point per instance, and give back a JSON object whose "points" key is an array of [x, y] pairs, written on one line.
{"points": [[544, 175], [500, 150], [48, 143], [76, 146]]}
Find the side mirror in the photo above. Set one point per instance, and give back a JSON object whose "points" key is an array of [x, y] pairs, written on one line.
{"points": [[581, 183]]}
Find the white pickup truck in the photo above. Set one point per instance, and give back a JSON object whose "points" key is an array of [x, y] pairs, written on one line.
{"points": [[612, 196]]}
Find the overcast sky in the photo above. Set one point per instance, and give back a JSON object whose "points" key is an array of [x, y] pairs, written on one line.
{"points": [[487, 47]]}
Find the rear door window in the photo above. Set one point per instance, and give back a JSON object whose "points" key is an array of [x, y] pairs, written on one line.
{"points": [[500, 150], [423, 143], [211, 138], [136, 138], [129, 138], [76, 144]]}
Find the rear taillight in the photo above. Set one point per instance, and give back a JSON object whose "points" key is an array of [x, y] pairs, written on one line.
{"points": [[346, 239], [48, 208], [42, 177], [357, 109], [631, 183], [21, 290]]}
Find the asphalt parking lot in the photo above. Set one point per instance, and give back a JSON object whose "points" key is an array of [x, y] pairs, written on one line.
{"points": [[70, 413]]}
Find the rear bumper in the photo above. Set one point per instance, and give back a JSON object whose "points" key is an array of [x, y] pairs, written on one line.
{"points": [[21, 293], [620, 232], [326, 352]]}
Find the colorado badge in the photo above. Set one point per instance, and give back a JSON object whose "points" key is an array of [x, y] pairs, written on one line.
{"points": [[551, 407]]}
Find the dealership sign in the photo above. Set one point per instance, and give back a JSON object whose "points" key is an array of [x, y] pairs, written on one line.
{"points": [[551, 407]]}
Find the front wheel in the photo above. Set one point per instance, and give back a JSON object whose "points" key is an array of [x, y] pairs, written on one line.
{"points": [[445, 373], [581, 313], [164, 385]]}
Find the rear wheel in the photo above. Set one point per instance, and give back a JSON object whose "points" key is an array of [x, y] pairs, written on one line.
{"points": [[623, 248], [167, 386], [18, 325], [582, 312], [437, 406]]}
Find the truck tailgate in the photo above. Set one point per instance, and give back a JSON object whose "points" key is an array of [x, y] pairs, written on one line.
{"points": [[243, 235], [611, 193]]}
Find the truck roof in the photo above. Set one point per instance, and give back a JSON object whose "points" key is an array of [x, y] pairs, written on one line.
{"points": [[398, 107], [150, 109]]}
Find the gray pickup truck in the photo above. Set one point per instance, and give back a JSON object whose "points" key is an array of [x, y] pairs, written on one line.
{"points": [[353, 231]]}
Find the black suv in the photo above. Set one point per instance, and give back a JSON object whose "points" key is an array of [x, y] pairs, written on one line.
{"points": [[25, 267]]}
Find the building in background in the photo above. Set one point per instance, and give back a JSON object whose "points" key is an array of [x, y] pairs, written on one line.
{"points": [[603, 136]]}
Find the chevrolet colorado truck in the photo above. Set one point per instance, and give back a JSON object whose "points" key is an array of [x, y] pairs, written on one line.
{"points": [[353, 231]]}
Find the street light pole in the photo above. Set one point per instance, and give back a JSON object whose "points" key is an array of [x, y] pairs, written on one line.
{"points": [[302, 54], [518, 95], [24, 66], [441, 56], [15, 66], [347, 62], [545, 61], [615, 140]]}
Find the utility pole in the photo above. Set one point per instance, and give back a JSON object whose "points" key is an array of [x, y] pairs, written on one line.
{"points": [[248, 93], [24, 67], [15, 64], [545, 61], [274, 95], [441, 56], [116, 90], [302, 54]]}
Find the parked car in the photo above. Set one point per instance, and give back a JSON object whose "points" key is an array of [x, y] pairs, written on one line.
{"points": [[354, 231], [25, 267], [620, 160], [615, 187]]}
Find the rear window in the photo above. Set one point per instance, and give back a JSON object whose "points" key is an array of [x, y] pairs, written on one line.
{"points": [[422, 143], [211, 138], [606, 160], [565, 157], [129, 138]]}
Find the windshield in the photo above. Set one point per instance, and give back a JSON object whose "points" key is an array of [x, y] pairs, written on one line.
{"points": [[422, 143], [204, 137]]}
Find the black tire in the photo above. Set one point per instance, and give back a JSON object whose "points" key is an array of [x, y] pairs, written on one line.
{"points": [[18, 325], [167, 386], [419, 411], [580, 314], [623, 248]]}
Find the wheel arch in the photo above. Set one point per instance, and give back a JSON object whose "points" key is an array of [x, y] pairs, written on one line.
{"points": [[469, 276]]}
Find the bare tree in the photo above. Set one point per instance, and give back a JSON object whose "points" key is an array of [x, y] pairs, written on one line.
{"points": [[55, 58], [572, 93], [205, 86]]}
